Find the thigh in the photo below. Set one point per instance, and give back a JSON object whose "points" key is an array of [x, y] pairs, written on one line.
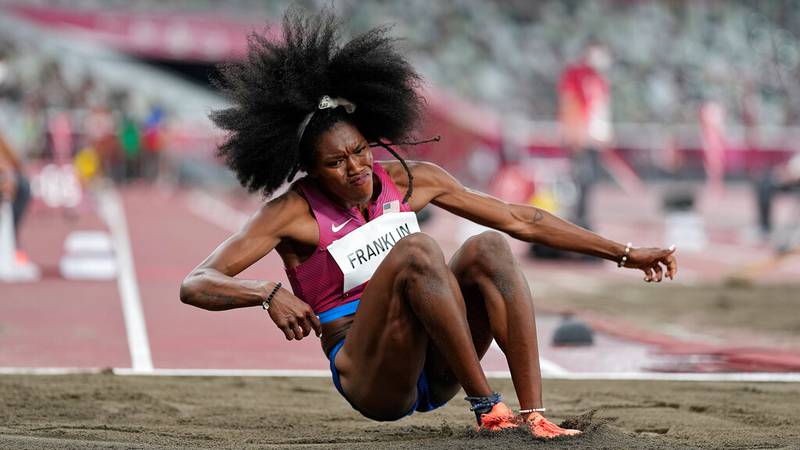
{"points": [[384, 352]]}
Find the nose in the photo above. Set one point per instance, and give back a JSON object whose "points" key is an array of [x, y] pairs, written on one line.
{"points": [[354, 165]]}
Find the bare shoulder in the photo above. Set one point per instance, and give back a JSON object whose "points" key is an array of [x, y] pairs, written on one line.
{"points": [[287, 215], [425, 173], [430, 181]]}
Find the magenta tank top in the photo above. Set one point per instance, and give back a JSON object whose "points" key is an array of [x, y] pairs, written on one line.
{"points": [[318, 281]]}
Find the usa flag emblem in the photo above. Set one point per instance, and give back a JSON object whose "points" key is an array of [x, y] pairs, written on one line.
{"points": [[391, 207]]}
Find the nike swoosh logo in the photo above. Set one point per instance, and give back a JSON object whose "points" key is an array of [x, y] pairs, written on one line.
{"points": [[336, 229]]}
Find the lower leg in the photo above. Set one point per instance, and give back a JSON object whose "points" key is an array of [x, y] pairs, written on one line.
{"points": [[508, 301], [436, 301], [501, 288], [513, 324]]}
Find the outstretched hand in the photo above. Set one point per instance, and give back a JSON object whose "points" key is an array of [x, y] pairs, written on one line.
{"points": [[654, 262], [293, 316]]}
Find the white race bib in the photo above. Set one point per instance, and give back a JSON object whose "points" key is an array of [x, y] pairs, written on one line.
{"points": [[360, 252]]}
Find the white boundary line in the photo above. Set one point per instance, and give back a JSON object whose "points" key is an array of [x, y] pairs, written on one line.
{"points": [[754, 377], [111, 210], [47, 370], [229, 373]]}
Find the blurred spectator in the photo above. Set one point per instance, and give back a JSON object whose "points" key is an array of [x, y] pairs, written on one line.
{"points": [[784, 178], [14, 187], [585, 118], [130, 140], [152, 141]]}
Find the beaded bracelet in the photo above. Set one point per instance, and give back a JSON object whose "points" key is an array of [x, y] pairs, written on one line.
{"points": [[268, 300], [624, 259]]}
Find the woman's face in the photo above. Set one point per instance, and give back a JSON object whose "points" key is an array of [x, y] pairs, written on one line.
{"points": [[343, 164]]}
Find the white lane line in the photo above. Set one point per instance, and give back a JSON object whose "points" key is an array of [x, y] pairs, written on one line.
{"points": [[215, 211], [750, 377], [110, 208], [548, 368], [48, 370], [793, 377], [229, 373]]}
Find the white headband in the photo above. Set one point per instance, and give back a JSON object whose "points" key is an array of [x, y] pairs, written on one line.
{"points": [[325, 102]]}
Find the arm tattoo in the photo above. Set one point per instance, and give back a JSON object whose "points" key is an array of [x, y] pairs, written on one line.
{"points": [[538, 216]]}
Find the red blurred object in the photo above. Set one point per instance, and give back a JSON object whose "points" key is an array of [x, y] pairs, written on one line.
{"points": [[182, 36], [512, 184]]}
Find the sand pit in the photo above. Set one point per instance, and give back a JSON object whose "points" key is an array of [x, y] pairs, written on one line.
{"points": [[111, 411]]}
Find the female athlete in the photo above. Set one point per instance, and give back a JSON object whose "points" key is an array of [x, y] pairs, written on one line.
{"points": [[404, 329]]}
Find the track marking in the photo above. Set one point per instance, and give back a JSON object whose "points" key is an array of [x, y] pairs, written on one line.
{"points": [[112, 212], [750, 377], [548, 368], [215, 211], [229, 373], [47, 370]]}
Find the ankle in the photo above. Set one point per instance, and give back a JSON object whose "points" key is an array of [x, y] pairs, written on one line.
{"points": [[482, 405]]}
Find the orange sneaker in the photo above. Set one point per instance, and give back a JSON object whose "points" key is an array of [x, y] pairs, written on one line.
{"points": [[498, 419], [543, 428]]}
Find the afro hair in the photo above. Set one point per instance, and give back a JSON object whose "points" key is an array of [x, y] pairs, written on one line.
{"points": [[282, 81]]}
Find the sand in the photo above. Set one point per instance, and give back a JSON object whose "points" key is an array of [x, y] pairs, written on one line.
{"points": [[765, 315], [112, 411]]}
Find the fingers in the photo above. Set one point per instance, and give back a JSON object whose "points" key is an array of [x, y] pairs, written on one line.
{"points": [[287, 331], [672, 263], [659, 272], [299, 332], [314, 321], [293, 331], [300, 328], [669, 261], [672, 267], [648, 274]]}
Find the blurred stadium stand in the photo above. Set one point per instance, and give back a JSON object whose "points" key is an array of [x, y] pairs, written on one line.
{"points": [[492, 69]]}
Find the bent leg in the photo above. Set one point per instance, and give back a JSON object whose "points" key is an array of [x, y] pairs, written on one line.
{"points": [[412, 301], [499, 304]]}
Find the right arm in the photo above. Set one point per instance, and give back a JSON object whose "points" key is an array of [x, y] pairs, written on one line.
{"points": [[212, 285]]}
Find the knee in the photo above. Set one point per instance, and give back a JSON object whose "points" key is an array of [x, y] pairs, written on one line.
{"points": [[488, 252], [420, 253]]}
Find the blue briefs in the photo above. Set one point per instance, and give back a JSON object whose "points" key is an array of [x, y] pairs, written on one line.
{"points": [[332, 314], [423, 403]]}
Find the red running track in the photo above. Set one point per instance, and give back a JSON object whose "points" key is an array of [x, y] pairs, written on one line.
{"points": [[60, 323]]}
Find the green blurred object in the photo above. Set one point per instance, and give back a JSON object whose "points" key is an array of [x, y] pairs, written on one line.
{"points": [[130, 138]]}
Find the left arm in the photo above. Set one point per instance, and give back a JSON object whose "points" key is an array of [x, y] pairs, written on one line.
{"points": [[432, 184]]}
